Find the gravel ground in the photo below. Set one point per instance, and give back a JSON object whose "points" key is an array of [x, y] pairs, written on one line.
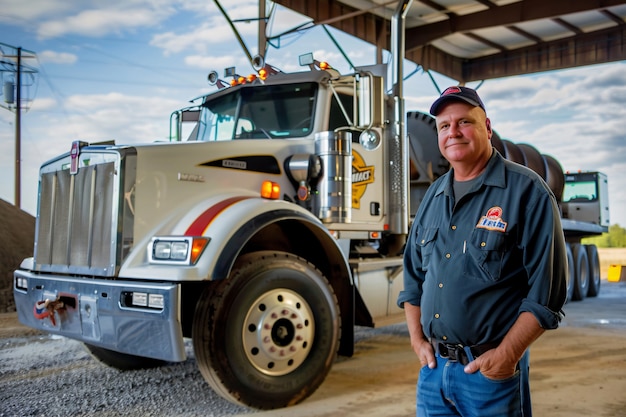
{"points": [[44, 375], [48, 375], [576, 371]]}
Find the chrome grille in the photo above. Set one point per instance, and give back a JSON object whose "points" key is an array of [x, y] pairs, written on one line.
{"points": [[80, 216]]}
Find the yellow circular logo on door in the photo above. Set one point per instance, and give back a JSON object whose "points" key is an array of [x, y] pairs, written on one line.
{"points": [[361, 176]]}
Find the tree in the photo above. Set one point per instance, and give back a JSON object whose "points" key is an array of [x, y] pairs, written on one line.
{"points": [[614, 238]]}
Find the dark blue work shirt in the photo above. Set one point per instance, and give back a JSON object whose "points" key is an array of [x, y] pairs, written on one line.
{"points": [[474, 267]]}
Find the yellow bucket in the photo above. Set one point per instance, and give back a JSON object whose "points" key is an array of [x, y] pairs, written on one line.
{"points": [[617, 273]]}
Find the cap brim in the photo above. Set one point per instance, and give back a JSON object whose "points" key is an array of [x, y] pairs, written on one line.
{"points": [[442, 101]]}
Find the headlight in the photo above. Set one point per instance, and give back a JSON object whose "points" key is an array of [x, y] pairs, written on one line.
{"points": [[176, 250]]}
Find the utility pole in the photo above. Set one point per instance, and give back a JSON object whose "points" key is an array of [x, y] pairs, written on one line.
{"points": [[11, 66]]}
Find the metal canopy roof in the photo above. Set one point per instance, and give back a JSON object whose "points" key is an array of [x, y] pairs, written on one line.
{"points": [[470, 40]]}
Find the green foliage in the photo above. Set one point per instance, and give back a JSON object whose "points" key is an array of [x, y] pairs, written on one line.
{"points": [[615, 238]]}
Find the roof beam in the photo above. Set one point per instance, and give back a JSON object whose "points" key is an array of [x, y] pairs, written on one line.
{"points": [[507, 15], [599, 47]]}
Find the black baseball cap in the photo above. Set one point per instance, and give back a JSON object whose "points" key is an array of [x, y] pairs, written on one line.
{"points": [[456, 93]]}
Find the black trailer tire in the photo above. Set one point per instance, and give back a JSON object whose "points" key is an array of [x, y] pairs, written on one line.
{"points": [[571, 272], [581, 283], [267, 336], [122, 361], [594, 270]]}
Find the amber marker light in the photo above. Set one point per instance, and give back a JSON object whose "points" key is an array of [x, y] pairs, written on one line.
{"points": [[263, 74], [324, 65], [270, 190], [251, 78], [198, 245]]}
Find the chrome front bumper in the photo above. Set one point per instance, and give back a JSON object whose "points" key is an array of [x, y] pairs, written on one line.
{"points": [[102, 313]]}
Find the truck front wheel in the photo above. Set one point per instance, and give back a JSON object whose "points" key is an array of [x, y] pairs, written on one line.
{"points": [[267, 336]]}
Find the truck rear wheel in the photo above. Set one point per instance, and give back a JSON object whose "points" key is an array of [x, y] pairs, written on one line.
{"points": [[267, 336], [594, 270], [581, 283], [571, 272], [122, 361]]}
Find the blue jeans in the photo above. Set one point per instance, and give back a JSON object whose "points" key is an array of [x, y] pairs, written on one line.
{"points": [[448, 391]]}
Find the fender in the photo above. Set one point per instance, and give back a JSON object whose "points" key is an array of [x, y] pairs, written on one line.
{"points": [[306, 238], [236, 223]]}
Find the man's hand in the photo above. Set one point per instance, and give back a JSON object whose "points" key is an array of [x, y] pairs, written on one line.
{"points": [[421, 346], [493, 364], [424, 351], [500, 363]]}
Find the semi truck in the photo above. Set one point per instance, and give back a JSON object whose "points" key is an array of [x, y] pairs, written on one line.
{"points": [[264, 237]]}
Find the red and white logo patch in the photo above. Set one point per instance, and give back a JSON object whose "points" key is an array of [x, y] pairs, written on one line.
{"points": [[493, 220]]}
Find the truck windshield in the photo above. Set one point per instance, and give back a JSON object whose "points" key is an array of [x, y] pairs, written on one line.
{"points": [[259, 112], [579, 191]]}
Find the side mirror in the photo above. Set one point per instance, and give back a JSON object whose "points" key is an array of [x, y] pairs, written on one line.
{"points": [[370, 97]]}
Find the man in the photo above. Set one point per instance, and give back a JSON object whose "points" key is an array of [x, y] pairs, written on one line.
{"points": [[484, 271]]}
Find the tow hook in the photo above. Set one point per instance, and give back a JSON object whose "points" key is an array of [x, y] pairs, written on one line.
{"points": [[47, 309]]}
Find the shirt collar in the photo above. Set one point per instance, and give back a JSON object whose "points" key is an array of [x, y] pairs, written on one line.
{"points": [[494, 175]]}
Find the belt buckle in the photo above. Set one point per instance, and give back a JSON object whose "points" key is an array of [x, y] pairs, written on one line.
{"points": [[453, 353]]}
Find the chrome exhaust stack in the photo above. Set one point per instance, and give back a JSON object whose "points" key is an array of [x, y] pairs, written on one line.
{"points": [[399, 144]]}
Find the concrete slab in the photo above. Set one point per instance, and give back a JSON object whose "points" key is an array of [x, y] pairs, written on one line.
{"points": [[578, 370]]}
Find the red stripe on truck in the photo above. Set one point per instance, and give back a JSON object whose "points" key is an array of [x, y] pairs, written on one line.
{"points": [[199, 225]]}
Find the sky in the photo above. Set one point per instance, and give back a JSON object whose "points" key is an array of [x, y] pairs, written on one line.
{"points": [[116, 69]]}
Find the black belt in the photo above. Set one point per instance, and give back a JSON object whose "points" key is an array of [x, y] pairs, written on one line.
{"points": [[456, 353]]}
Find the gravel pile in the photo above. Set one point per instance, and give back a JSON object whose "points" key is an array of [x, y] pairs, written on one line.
{"points": [[17, 229]]}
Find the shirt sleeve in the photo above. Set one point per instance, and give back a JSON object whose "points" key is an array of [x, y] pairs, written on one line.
{"points": [[545, 261], [413, 274]]}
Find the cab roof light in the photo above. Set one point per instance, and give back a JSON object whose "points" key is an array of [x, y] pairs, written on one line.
{"points": [[270, 190]]}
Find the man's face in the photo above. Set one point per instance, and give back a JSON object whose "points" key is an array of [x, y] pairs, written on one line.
{"points": [[464, 134]]}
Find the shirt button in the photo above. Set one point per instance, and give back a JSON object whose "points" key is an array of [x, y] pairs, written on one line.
{"points": [[423, 241], [440, 285], [453, 227], [448, 255], [445, 338], [437, 315], [483, 244]]}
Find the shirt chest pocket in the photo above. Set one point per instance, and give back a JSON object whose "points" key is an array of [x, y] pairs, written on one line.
{"points": [[485, 255], [426, 238]]}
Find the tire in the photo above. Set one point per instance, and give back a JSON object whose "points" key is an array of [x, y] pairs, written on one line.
{"points": [[581, 283], [594, 270], [571, 272], [267, 336], [122, 361]]}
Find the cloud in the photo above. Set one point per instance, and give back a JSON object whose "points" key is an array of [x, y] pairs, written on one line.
{"points": [[123, 117], [57, 57], [218, 63], [44, 104], [202, 38], [199, 39], [20, 12], [99, 22]]}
